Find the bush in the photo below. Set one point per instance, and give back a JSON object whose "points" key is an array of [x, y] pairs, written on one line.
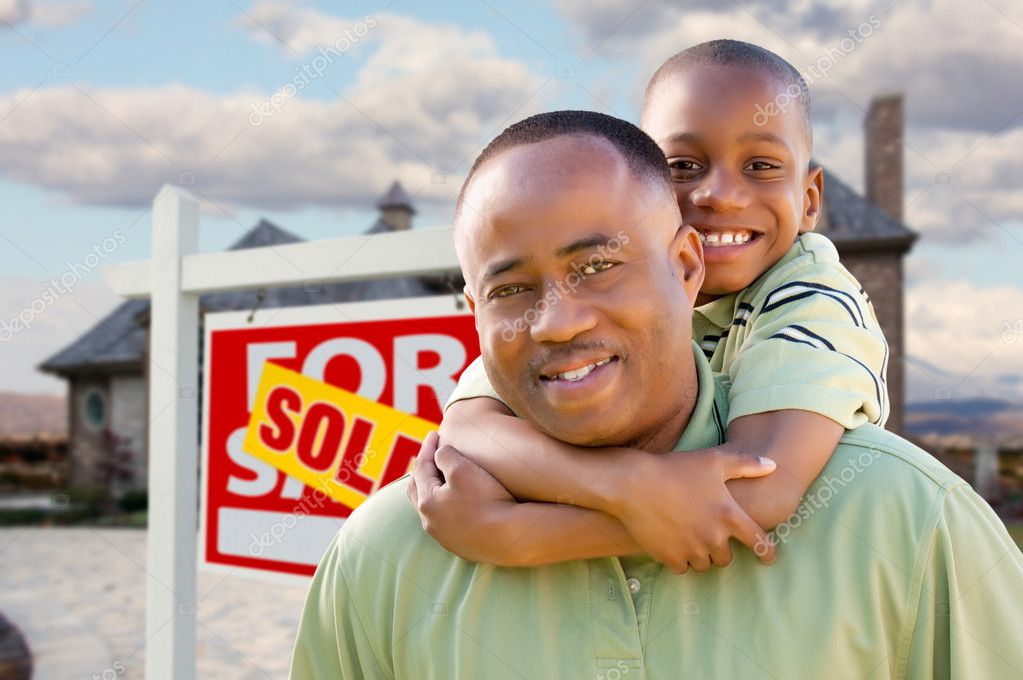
{"points": [[133, 501]]}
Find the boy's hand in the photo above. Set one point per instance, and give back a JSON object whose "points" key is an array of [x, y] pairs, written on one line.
{"points": [[679, 511], [460, 504]]}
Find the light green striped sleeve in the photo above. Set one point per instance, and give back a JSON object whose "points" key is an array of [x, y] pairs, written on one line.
{"points": [[970, 614], [813, 344], [473, 383]]}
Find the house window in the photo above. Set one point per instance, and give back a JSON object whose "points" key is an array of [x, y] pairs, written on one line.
{"points": [[94, 410]]}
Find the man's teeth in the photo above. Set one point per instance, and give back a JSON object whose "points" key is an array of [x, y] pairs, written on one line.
{"points": [[725, 238], [580, 373]]}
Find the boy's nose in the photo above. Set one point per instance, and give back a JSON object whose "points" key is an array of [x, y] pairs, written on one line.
{"points": [[719, 192]]}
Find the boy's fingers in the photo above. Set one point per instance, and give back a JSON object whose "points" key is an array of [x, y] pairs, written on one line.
{"points": [[752, 536], [736, 465], [425, 475]]}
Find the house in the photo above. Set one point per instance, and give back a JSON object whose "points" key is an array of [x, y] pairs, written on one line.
{"points": [[105, 368]]}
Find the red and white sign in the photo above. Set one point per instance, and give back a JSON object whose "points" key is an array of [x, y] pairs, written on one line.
{"points": [[405, 353]]}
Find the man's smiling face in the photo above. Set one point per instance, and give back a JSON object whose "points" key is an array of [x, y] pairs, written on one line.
{"points": [[582, 285], [741, 176]]}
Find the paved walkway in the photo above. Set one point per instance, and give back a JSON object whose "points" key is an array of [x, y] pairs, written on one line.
{"points": [[78, 596]]}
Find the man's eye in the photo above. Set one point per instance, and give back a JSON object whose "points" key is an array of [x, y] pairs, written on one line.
{"points": [[594, 267], [507, 291]]}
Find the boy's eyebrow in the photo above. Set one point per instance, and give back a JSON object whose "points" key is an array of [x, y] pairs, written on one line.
{"points": [[763, 136], [746, 137]]}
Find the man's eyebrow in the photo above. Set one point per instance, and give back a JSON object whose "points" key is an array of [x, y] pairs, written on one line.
{"points": [[591, 241], [501, 267], [585, 243]]}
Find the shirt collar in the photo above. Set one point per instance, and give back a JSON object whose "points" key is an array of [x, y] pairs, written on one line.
{"points": [[706, 425], [719, 312]]}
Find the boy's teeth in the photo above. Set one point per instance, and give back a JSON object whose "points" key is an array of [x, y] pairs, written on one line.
{"points": [[580, 373], [725, 238]]}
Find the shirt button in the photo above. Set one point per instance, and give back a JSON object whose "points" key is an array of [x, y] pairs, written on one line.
{"points": [[634, 585]]}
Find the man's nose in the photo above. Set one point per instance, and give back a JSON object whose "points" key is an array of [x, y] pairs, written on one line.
{"points": [[720, 191], [563, 318]]}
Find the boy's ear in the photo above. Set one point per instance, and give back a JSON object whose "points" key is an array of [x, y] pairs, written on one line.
{"points": [[468, 299], [687, 250], [813, 199]]}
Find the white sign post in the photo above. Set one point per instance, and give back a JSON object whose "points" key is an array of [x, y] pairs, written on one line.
{"points": [[175, 278]]}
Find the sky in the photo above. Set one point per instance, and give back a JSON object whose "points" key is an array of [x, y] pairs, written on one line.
{"points": [[303, 113]]}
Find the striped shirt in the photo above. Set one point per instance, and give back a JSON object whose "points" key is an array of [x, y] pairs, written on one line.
{"points": [[803, 336]]}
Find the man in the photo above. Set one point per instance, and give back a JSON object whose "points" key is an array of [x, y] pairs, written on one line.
{"points": [[897, 568]]}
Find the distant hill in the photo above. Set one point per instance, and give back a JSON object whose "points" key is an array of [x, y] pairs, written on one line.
{"points": [[24, 416], [971, 418]]}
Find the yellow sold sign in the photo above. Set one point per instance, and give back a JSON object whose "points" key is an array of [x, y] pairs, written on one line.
{"points": [[329, 438]]}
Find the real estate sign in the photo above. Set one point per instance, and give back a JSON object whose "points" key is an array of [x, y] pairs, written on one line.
{"points": [[309, 410]]}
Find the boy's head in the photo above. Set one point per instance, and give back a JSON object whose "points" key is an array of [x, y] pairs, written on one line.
{"points": [[581, 278], [733, 120]]}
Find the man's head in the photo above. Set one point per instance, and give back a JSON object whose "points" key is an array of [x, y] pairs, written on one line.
{"points": [[581, 278], [733, 120]]}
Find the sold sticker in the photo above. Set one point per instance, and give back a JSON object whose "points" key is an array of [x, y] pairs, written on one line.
{"points": [[329, 438]]}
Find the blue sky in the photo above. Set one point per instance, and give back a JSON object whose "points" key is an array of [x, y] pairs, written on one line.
{"points": [[101, 102]]}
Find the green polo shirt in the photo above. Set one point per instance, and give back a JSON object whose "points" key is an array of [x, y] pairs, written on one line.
{"points": [[803, 336], [892, 568]]}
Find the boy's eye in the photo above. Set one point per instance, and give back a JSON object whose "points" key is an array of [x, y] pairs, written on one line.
{"points": [[761, 165], [591, 268], [683, 168], [507, 291]]}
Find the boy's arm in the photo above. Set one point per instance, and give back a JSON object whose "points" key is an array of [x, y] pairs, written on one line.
{"points": [[448, 488], [688, 524], [800, 442]]}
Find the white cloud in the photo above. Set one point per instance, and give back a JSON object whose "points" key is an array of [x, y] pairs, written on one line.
{"points": [[972, 335], [13, 11], [958, 62], [51, 329], [426, 99], [57, 14], [47, 14]]}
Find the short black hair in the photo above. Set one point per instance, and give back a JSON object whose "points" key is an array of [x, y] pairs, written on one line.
{"points": [[725, 52], [642, 155]]}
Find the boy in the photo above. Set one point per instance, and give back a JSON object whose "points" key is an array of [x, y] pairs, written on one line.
{"points": [[777, 312]]}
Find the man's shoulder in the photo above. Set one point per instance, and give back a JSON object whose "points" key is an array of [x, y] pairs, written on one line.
{"points": [[892, 467], [386, 529]]}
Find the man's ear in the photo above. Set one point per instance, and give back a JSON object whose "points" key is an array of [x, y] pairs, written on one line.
{"points": [[687, 251], [471, 302], [813, 199]]}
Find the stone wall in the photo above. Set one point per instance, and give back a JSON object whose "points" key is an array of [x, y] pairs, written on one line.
{"points": [[880, 274]]}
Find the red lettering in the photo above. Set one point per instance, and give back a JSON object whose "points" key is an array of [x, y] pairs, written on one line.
{"points": [[320, 460], [348, 472], [278, 403], [402, 454]]}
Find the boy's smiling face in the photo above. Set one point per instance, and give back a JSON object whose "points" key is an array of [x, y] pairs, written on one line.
{"points": [[742, 177]]}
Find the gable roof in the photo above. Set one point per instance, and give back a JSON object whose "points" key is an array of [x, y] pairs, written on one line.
{"points": [[854, 223], [117, 343]]}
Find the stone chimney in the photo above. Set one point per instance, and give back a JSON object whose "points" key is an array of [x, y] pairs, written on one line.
{"points": [[883, 167], [396, 209]]}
